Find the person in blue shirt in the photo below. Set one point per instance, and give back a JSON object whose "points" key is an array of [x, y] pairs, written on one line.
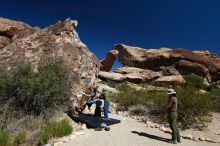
{"points": [[91, 100]]}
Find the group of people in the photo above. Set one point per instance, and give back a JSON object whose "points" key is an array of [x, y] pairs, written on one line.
{"points": [[101, 102]]}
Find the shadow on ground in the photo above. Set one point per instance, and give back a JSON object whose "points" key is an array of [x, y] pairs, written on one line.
{"points": [[151, 136], [92, 121]]}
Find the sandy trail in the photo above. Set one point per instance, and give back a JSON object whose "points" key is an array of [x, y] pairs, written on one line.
{"points": [[128, 133]]}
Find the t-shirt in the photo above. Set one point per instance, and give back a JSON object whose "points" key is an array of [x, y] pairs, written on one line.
{"points": [[172, 104], [92, 95]]}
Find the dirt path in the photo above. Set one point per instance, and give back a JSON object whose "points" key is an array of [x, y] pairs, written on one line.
{"points": [[128, 133]]}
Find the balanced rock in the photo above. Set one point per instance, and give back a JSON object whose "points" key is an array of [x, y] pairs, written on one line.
{"points": [[108, 62]]}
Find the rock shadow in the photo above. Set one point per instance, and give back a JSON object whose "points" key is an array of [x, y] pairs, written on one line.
{"points": [[92, 121], [151, 136]]}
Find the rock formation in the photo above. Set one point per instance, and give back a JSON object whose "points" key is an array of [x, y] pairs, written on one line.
{"points": [[171, 61], [21, 43], [108, 62]]}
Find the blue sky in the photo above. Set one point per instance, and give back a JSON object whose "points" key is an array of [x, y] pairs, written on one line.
{"points": [[191, 24]]}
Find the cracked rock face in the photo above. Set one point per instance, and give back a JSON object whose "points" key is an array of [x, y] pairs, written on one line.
{"points": [[59, 41]]}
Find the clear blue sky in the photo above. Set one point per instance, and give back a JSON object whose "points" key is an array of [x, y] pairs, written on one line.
{"points": [[192, 24]]}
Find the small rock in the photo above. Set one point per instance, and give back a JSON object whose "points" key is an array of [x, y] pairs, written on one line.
{"points": [[84, 127], [157, 125], [148, 123], [162, 128], [196, 139], [168, 131], [201, 139], [210, 140], [65, 140], [190, 137], [152, 125], [79, 133]]}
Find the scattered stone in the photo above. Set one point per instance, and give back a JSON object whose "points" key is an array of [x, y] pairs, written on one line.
{"points": [[211, 140], [168, 131], [79, 133], [84, 127], [162, 128], [196, 139], [107, 128], [157, 125], [148, 123], [190, 137], [152, 125], [201, 139]]}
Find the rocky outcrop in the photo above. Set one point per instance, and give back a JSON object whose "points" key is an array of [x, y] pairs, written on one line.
{"points": [[175, 79], [10, 28], [180, 61], [108, 62], [59, 42], [111, 76], [137, 75]]}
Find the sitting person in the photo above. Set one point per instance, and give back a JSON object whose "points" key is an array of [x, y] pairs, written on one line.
{"points": [[91, 99]]}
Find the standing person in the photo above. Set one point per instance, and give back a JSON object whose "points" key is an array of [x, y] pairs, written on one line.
{"points": [[172, 115], [106, 104]]}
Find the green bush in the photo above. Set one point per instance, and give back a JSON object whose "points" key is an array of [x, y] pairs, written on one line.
{"points": [[4, 138], [33, 92], [195, 81], [54, 130], [215, 91], [193, 110], [19, 138]]}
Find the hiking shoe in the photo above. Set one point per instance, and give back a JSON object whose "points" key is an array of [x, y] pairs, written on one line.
{"points": [[173, 141], [179, 141]]}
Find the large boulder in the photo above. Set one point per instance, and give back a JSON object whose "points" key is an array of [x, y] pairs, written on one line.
{"points": [[108, 62], [111, 76], [137, 75], [59, 42], [184, 61], [175, 79]]}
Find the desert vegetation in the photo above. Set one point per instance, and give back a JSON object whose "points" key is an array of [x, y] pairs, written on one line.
{"points": [[194, 109], [29, 100]]}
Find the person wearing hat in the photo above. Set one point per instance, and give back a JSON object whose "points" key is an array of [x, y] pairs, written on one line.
{"points": [[172, 115]]}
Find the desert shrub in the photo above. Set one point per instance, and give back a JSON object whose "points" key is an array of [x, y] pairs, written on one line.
{"points": [[19, 138], [33, 92], [193, 111], [195, 81], [54, 130], [215, 92], [3, 81], [194, 108], [4, 138], [111, 83]]}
